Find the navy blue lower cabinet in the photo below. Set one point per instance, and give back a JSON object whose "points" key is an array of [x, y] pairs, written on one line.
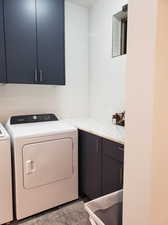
{"points": [[2, 46], [112, 166], [100, 165], [89, 165]]}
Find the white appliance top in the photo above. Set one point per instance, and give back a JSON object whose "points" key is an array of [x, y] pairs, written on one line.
{"points": [[3, 133], [39, 129]]}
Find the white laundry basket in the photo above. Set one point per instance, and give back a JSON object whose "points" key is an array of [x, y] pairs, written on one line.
{"points": [[102, 203]]}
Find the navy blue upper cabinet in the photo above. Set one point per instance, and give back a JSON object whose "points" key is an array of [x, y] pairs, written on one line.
{"points": [[2, 47], [34, 31], [50, 36], [20, 31]]}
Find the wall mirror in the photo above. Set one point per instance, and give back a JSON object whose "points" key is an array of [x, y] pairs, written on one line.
{"points": [[119, 32]]}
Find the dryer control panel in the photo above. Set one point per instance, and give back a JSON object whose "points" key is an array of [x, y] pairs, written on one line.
{"points": [[32, 118]]}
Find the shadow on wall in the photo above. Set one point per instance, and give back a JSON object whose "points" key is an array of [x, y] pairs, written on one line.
{"points": [[66, 101], [24, 99]]}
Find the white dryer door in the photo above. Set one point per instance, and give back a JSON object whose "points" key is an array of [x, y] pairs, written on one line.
{"points": [[47, 162]]}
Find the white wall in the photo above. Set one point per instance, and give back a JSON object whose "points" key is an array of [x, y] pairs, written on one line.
{"points": [[86, 3], [139, 108], [146, 155], [160, 122], [68, 101], [106, 74]]}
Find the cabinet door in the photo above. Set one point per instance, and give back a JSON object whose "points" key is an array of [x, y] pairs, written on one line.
{"points": [[20, 31], [112, 166], [112, 175], [89, 165], [2, 46], [50, 35]]}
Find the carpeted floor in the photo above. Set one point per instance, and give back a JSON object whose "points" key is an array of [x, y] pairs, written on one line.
{"points": [[71, 214]]}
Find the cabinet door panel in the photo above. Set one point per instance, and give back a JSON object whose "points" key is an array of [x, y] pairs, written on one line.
{"points": [[112, 166], [113, 149], [2, 46], [112, 175], [20, 31], [89, 165], [50, 35]]}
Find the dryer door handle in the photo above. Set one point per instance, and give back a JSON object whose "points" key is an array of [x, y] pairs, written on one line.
{"points": [[29, 167]]}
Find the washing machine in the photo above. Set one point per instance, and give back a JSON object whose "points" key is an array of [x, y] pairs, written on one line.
{"points": [[45, 156], [6, 207]]}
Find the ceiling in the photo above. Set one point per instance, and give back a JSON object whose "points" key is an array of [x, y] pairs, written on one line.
{"points": [[86, 3]]}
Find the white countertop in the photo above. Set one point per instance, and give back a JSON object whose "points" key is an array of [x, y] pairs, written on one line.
{"points": [[90, 125]]}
